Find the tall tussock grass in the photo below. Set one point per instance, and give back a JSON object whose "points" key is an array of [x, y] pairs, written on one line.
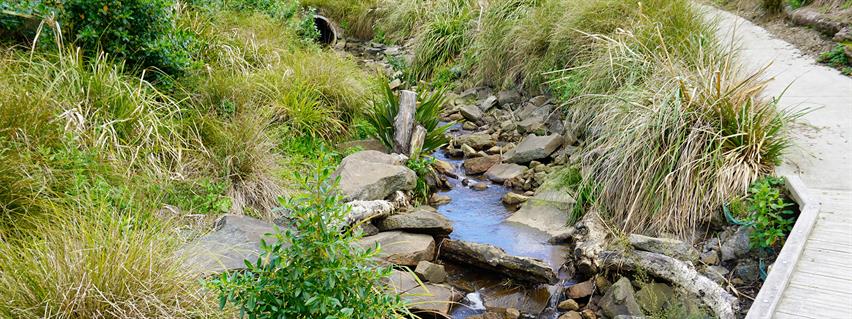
{"points": [[679, 131]]}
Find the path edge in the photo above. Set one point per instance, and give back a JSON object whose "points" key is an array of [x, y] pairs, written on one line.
{"points": [[770, 294]]}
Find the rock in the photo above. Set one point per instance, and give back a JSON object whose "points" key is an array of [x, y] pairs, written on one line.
{"points": [[844, 35], [438, 199], [373, 156], [654, 297], [445, 168], [495, 259], [546, 211], [479, 186], [588, 314], [710, 257], [455, 117], [468, 151], [404, 121], [581, 290], [233, 239], [571, 315], [619, 300], [508, 97], [427, 298], [512, 313], [540, 100], [669, 247], [364, 210], [370, 180], [568, 305], [514, 198], [479, 165], [421, 220], [716, 273], [817, 20], [369, 229], [469, 126], [534, 147], [471, 113], [532, 124], [402, 248], [553, 122], [430, 272], [366, 144], [602, 283], [489, 102], [478, 141], [529, 300], [502, 172], [747, 270], [737, 245]]}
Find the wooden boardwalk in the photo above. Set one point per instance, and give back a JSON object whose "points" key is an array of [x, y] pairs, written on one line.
{"points": [[812, 277]]}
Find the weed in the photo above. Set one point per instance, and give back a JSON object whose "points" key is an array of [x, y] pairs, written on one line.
{"points": [[312, 270], [835, 57], [769, 212], [423, 167], [427, 114]]}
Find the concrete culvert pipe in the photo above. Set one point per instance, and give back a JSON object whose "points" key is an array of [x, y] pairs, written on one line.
{"points": [[327, 30]]}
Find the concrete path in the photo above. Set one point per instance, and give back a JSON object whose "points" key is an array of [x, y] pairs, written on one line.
{"points": [[819, 284]]}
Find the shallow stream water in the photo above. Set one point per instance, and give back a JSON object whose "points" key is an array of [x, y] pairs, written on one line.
{"points": [[480, 217]]}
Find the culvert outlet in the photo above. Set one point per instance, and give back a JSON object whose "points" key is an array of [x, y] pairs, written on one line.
{"points": [[327, 29]]}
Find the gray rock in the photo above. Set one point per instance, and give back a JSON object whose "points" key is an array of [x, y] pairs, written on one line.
{"points": [[716, 273], [233, 240], [478, 141], [508, 97], [471, 113], [654, 297], [619, 300], [469, 126], [427, 298], [402, 248], [710, 257], [534, 147], [540, 100], [371, 180], [479, 165], [747, 270], [468, 151], [489, 103], [374, 156], [502, 172], [736, 245], [844, 35], [479, 186], [495, 259], [546, 211], [514, 198], [430, 272], [669, 247], [421, 220]]}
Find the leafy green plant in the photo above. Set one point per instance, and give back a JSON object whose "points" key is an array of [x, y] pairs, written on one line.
{"points": [[429, 108], [312, 269], [770, 215], [835, 57], [795, 4], [422, 166], [204, 196]]}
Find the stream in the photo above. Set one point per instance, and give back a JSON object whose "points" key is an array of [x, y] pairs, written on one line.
{"points": [[480, 217]]}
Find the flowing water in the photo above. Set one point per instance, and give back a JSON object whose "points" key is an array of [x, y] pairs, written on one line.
{"points": [[480, 216]]}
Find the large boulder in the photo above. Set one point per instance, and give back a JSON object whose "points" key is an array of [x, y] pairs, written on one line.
{"points": [[233, 240], [547, 211], [502, 172], [423, 220], [479, 165], [619, 300], [534, 148], [666, 246], [478, 141], [371, 175], [402, 248], [492, 258]]}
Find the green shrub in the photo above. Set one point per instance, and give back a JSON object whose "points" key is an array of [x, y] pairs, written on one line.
{"points": [[141, 31], [422, 166], [319, 273], [429, 108], [769, 211]]}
